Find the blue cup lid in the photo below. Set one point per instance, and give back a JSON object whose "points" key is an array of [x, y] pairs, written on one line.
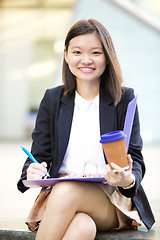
{"points": [[112, 136]]}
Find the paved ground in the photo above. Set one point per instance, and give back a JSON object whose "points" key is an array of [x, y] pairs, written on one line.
{"points": [[15, 205]]}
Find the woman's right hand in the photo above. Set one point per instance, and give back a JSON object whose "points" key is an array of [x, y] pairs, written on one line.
{"points": [[36, 170]]}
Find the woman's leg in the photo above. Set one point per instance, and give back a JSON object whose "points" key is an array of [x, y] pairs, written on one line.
{"points": [[81, 227], [68, 198]]}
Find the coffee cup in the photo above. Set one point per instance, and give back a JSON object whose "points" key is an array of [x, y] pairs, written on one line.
{"points": [[114, 147]]}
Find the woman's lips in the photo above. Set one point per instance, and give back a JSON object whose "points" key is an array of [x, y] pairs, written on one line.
{"points": [[86, 69]]}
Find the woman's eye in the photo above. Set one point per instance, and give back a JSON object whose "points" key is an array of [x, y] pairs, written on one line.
{"points": [[96, 53], [77, 52]]}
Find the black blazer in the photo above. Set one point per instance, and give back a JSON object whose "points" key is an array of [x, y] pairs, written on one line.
{"points": [[52, 131]]}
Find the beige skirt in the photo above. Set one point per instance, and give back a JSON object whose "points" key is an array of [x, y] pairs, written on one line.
{"points": [[127, 214]]}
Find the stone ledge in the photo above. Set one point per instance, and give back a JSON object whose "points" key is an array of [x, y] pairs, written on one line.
{"points": [[16, 235], [6, 234], [17, 230]]}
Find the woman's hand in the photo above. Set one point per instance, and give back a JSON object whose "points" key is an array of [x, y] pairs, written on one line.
{"points": [[36, 170], [120, 177]]}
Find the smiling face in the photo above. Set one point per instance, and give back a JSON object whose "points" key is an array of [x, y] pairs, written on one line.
{"points": [[86, 58]]}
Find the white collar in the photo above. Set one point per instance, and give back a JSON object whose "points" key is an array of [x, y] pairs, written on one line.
{"points": [[85, 104]]}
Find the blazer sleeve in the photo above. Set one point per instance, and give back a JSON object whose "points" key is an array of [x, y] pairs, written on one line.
{"points": [[41, 143], [135, 145], [41, 146]]}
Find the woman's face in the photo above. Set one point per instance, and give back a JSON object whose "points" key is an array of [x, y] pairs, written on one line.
{"points": [[86, 58]]}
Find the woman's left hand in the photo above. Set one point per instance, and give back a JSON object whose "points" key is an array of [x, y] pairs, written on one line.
{"points": [[120, 177]]}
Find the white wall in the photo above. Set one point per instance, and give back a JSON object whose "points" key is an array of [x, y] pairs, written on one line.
{"points": [[19, 31]]}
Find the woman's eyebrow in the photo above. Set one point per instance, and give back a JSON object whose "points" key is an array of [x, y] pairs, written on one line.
{"points": [[75, 47], [91, 48]]}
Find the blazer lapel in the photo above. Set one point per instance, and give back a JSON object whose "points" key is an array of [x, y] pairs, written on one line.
{"points": [[64, 124], [107, 113]]}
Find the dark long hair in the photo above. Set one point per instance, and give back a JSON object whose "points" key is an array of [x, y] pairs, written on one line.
{"points": [[111, 79]]}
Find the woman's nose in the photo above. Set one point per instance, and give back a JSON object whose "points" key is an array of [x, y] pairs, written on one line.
{"points": [[86, 59]]}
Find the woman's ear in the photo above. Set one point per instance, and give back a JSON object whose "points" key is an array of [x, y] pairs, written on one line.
{"points": [[65, 55]]}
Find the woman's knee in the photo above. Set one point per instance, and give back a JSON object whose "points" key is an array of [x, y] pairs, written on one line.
{"points": [[86, 227], [66, 192], [81, 227], [65, 189]]}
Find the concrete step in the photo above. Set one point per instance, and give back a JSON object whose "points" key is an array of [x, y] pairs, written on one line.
{"points": [[17, 230], [6, 234], [129, 235]]}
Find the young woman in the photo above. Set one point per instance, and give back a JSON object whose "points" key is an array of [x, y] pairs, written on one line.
{"points": [[70, 120]]}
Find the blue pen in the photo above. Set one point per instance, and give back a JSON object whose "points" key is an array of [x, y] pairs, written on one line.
{"points": [[32, 158]]}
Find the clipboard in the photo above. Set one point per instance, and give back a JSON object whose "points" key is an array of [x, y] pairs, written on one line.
{"points": [[52, 181], [129, 120]]}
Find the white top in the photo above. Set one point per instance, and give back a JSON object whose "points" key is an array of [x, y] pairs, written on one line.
{"points": [[84, 142]]}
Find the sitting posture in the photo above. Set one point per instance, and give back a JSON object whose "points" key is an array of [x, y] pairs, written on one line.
{"points": [[70, 121]]}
